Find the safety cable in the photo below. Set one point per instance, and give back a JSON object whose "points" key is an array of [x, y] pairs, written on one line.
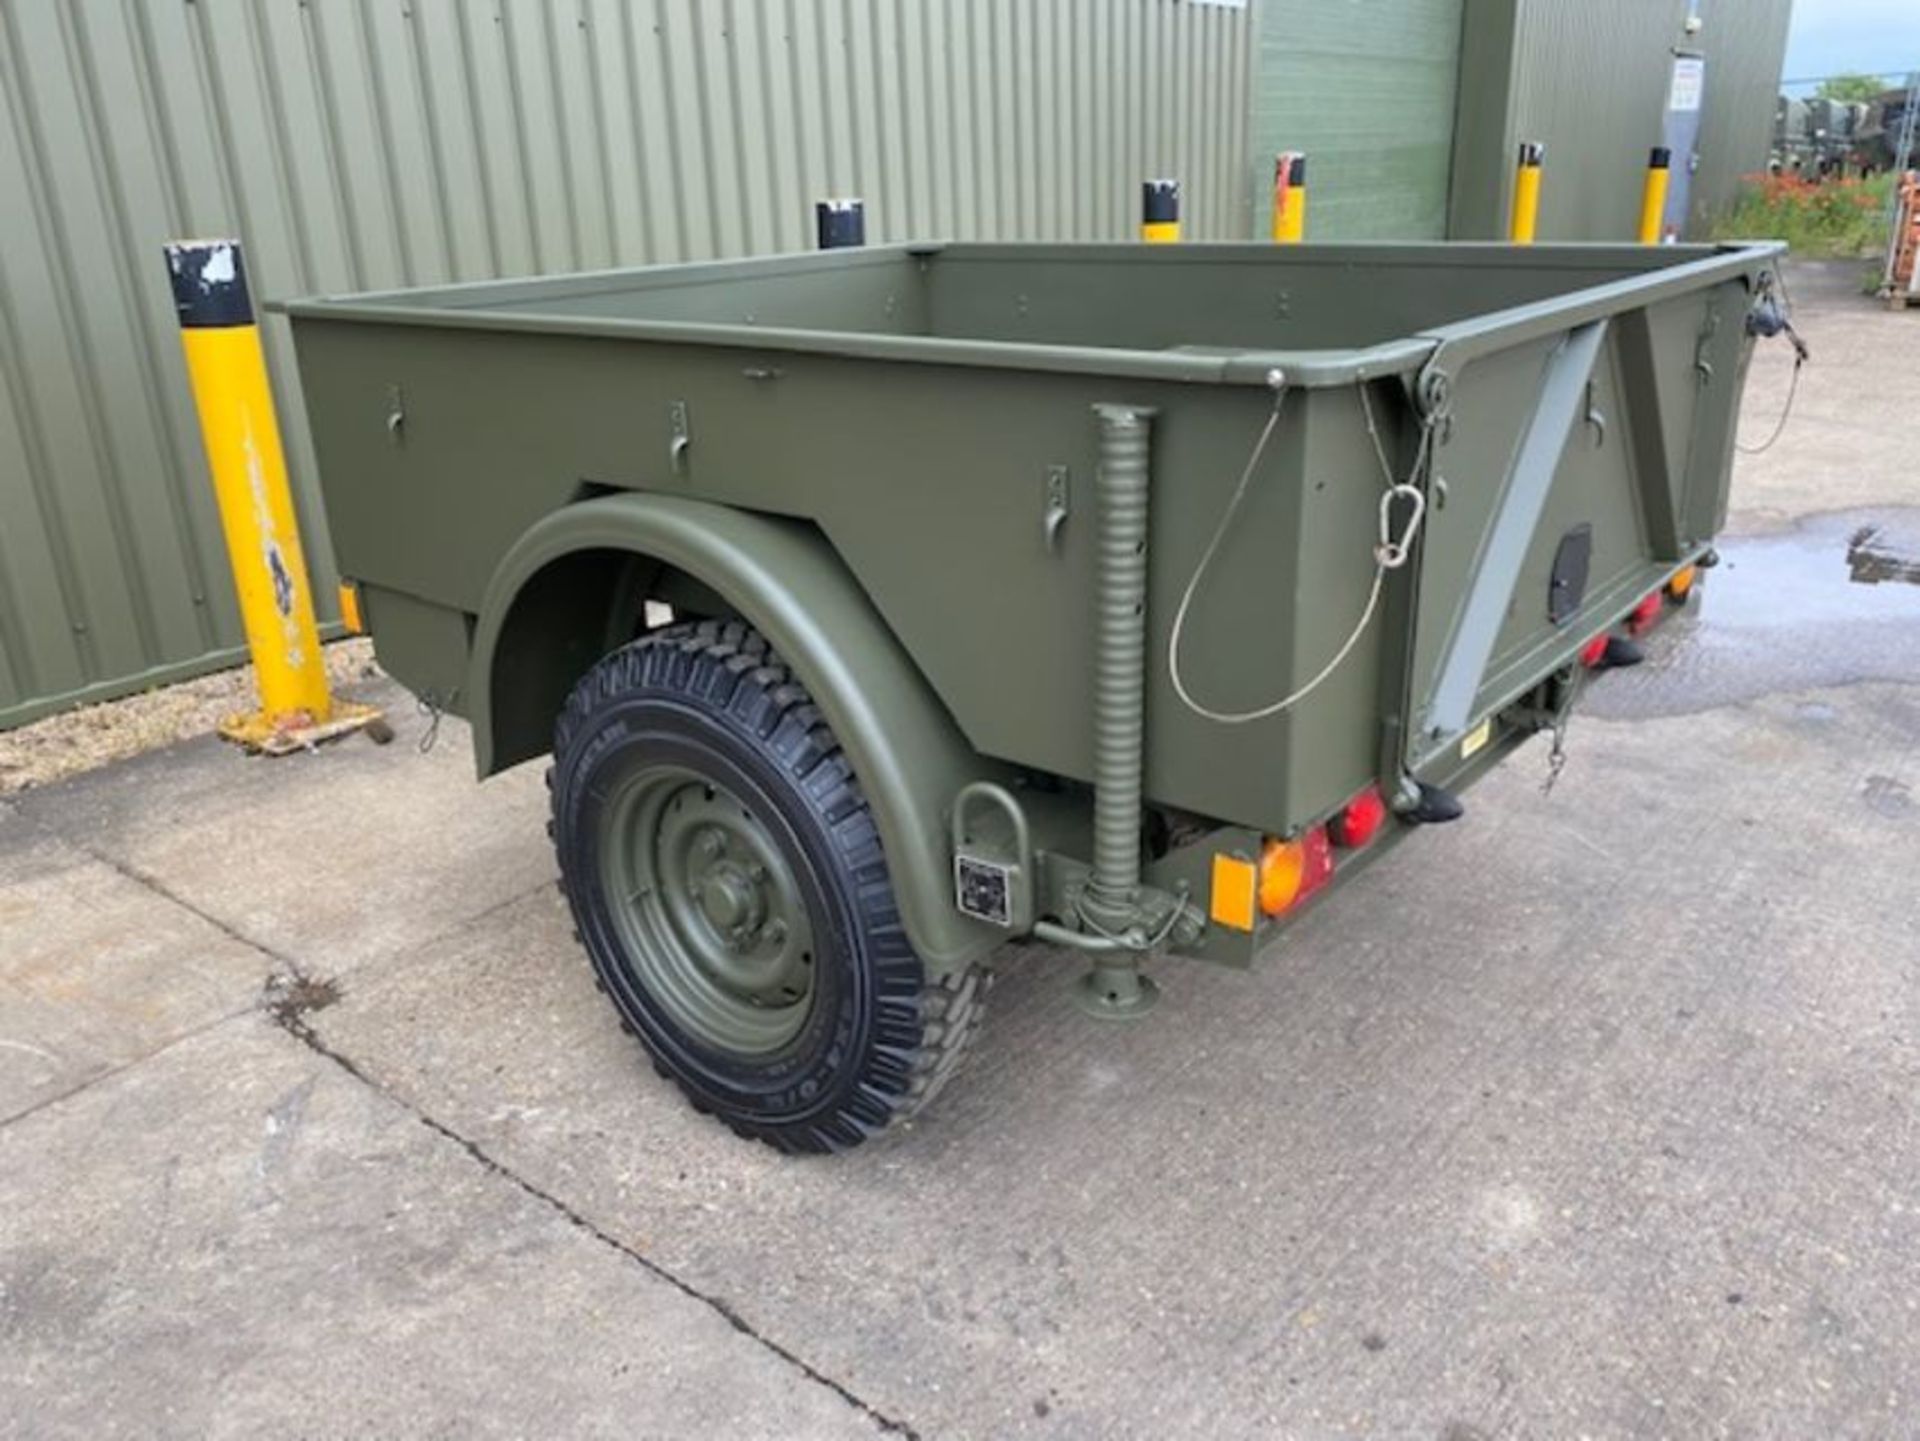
{"points": [[1786, 413], [1388, 554], [1800, 357]]}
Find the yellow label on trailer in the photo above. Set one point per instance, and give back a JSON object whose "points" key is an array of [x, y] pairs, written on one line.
{"points": [[1475, 740]]}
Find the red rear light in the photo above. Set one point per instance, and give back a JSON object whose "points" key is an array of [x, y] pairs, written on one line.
{"points": [[1360, 821], [1644, 614], [1290, 871], [1594, 651]]}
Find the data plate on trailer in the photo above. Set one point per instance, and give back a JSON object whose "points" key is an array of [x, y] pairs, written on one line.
{"points": [[983, 889]]}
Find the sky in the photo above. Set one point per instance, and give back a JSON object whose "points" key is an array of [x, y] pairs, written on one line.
{"points": [[1831, 37]]}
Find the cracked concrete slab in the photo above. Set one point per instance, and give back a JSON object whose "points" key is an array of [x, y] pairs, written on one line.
{"points": [[97, 971], [240, 1239], [1577, 1117], [323, 858]]}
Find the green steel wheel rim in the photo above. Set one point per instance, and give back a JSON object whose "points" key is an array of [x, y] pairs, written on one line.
{"points": [[708, 911]]}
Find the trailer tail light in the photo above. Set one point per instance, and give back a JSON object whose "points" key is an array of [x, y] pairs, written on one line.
{"points": [[1681, 586], [1594, 651], [1290, 871], [1643, 615], [1359, 821]]}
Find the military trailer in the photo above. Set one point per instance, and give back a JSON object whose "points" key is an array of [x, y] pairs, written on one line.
{"points": [[879, 607]]}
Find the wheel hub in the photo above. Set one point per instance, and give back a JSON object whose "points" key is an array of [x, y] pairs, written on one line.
{"points": [[733, 902], [708, 909]]}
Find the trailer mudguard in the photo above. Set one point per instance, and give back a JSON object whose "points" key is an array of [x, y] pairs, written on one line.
{"points": [[782, 577]]}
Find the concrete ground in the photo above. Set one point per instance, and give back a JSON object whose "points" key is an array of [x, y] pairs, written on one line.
{"points": [[1594, 1114]]}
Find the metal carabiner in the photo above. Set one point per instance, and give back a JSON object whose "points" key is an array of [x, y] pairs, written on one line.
{"points": [[1391, 554]]}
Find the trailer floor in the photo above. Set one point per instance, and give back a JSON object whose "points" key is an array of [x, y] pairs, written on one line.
{"points": [[1595, 1113]]}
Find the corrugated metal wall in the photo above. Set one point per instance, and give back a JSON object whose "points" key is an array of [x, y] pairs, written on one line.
{"points": [[358, 144], [1590, 80], [1367, 90], [1746, 48]]}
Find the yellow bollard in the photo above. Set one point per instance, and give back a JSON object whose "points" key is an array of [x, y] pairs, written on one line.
{"points": [[228, 373], [1526, 193], [1653, 200], [1289, 197], [1160, 211]]}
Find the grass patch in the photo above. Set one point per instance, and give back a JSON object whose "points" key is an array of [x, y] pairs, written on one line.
{"points": [[1834, 219]]}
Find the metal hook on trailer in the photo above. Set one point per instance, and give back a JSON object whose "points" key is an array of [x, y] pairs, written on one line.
{"points": [[1391, 554]]}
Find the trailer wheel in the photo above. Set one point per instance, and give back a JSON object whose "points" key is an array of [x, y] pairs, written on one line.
{"points": [[727, 881]]}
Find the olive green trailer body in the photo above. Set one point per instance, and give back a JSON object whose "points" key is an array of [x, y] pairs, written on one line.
{"points": [[968, 493]]}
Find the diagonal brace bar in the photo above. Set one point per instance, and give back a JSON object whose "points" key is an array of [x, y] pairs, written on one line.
{"points": [[1523, 498]]}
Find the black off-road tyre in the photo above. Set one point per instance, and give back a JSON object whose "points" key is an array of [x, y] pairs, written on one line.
{"points": [[707, 734]]}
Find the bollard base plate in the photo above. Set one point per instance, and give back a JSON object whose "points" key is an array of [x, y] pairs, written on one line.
{"points": [[283, 735]]}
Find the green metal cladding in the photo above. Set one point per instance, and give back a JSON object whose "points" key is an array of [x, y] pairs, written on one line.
{"points": [[373, 143], [1589, 80], [370, 143], [1368, 91]]}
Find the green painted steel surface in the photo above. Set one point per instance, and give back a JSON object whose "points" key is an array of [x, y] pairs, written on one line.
{"points": [[857, 452], [705, 903], [780, 574], [1368, 92]]}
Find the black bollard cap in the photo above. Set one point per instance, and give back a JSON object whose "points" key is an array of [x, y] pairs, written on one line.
{"points": [[840, 224], [1159, 202], [209, 284]]}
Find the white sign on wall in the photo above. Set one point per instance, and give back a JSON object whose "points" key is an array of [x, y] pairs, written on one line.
{"points": [[1689, 81]]}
